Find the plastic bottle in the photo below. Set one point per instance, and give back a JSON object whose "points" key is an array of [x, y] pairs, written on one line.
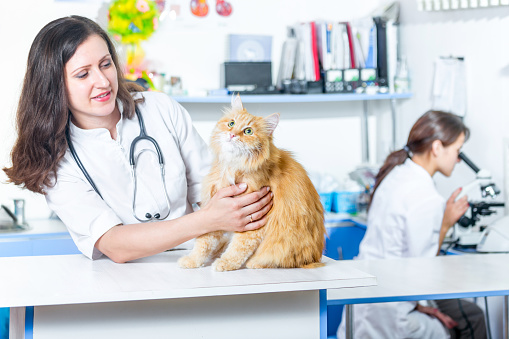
{"points": [[401, 80]]}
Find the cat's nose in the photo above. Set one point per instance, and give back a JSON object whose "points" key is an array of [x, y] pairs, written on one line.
{"points": [[232, 136]]}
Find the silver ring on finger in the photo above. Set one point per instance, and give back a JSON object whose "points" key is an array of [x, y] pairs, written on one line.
{"points": [[251, 217]]}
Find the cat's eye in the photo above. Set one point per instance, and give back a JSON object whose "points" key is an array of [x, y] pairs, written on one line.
{"points": [[248, 131], [231, 123]]}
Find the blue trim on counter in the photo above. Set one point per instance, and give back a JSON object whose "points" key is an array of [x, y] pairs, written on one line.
{"points": [[29, 322], [454, 295]]}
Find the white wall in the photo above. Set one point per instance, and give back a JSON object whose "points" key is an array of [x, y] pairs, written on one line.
{"points": [[19, 23], [324, 137], [480, 36]]}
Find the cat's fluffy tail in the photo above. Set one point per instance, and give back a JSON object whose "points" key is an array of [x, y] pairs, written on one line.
{"points": [[314, 265]]}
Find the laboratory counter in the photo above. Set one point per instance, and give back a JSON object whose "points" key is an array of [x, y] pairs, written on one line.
{"points": [[442, 277], [54, 296]]}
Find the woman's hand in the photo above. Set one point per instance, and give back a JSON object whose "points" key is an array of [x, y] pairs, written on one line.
{"points": [[454, 210], [226, 211], [444, 318]]}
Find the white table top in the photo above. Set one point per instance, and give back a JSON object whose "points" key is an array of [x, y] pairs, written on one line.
{"points": [[443, 277], [74, 279]]}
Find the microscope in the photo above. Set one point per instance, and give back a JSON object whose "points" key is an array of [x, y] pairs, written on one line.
{"points": [[464, 233]]}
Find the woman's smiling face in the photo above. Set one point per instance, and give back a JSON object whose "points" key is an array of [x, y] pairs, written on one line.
{"points": [[91, 82]]}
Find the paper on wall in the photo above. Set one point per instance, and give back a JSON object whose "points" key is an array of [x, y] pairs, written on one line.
{"points": [[449, 86]]}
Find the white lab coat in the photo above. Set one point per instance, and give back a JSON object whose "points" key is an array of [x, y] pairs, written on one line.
{"points": [[186, 159], [404, 220]]}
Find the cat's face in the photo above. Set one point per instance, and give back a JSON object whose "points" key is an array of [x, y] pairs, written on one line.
{"points": [[240, 134]]}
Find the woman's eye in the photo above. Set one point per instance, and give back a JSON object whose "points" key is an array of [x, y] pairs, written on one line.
{"points": [[248, 131], [106, 64], [231, 123], [81, 75]]}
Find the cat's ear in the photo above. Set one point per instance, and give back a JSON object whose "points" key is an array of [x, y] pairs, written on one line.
{"points": [[272, 121], [237, 103]]}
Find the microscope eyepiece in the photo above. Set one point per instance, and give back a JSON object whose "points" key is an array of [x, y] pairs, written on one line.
{"points": [[469, 162]]}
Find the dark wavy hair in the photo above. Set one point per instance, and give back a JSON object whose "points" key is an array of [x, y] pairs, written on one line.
{"points": [[431, 126], [43, 108]]}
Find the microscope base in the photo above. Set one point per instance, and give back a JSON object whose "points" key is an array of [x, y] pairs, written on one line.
{"points": [[470, 239]]}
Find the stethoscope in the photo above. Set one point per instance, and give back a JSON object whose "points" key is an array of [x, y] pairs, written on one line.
{"points": [[133, 161]]}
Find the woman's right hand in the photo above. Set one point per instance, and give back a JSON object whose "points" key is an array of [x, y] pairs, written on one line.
{"points": [[226, 211]]}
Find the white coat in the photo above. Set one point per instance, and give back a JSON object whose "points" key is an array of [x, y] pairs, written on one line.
{"points": [[186, 159], [404, 220]]}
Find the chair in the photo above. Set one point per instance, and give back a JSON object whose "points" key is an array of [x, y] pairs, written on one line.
{"points": [[342, 243]]}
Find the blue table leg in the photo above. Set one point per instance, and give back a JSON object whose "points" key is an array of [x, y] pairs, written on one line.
{"points": [[323, 314]]}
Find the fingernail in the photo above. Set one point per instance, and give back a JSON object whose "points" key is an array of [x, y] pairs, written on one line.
{"points": [[268, 188], [242, 185]]}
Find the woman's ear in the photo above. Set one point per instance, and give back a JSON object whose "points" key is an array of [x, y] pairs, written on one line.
{"points": [[436, 148]]}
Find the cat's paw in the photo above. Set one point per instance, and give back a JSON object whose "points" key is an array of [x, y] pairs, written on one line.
{"points": [[222, 265], [254, 265], [189, 262]]}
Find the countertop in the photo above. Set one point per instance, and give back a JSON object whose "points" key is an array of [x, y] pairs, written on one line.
{"points": [[72, 279]]}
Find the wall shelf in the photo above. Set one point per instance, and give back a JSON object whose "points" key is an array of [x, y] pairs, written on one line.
{"points": [[314, 98], [293, 98]]}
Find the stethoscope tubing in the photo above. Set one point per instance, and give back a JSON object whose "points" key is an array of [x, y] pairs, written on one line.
{"points": [[132, 160]]}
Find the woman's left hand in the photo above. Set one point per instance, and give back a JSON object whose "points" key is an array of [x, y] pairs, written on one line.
{"points": [[454, 209], [444, 318]]}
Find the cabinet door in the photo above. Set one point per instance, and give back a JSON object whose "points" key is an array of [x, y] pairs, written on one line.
{"points": [[32, 246], [15, 248], [50, 246]]}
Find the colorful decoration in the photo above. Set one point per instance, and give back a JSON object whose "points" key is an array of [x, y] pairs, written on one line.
{"points": [[223, 8], [130, 22], [199, 7]]}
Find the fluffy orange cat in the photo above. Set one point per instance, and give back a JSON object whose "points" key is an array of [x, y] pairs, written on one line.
{"points": [[294, 234]]}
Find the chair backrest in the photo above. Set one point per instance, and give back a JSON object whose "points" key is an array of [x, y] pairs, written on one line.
{"points": [[343, 241]]}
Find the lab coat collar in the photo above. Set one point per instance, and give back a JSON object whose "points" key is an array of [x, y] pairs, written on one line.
{"points": [[98, 132], [419, 170]]}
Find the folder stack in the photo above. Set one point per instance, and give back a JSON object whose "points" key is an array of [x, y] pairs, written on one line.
{"points": [[358, 56]]}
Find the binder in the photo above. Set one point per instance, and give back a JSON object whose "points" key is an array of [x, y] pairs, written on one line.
{"points": [[287, 62], [324, 44], [362, 32], [350, 45], [371, 60], [387, 52], [339, 46], [381, 53]]}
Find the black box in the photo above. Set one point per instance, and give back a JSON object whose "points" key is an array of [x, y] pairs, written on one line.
{"points": [[246, 76], [333, 81]]}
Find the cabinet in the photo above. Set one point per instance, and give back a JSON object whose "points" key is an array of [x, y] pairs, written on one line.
{"points": [[45, 237], [311, 98]]}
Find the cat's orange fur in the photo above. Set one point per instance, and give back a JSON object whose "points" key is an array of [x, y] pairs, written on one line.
{"points": [[294, 233]]}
